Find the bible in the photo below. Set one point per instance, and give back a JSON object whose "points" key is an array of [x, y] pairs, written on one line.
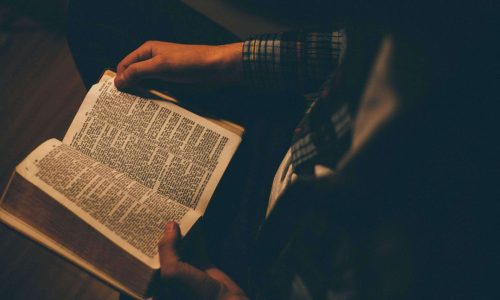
{"points": [[127, 165]]}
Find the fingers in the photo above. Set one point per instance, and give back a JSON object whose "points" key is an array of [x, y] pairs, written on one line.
{"points": [[140, 63], [194, 282], [144, 52], [137, 71]]}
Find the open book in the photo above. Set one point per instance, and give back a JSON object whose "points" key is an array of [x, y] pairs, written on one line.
{"points": [[126, 166]]}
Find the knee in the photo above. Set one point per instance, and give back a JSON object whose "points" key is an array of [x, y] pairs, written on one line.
{"points": [[85, 36], [85, 13], [87, 21], [80, 18]]}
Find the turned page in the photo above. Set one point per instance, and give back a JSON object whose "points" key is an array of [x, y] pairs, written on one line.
{"points": [[125, 211], [176, 153]]}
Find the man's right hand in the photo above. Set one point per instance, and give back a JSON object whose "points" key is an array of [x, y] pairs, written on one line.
{"points": [[210, 283], [180, 63]]}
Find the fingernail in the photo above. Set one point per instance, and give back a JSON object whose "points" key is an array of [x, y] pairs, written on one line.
{"points": [[119, 79], [170, 226]]}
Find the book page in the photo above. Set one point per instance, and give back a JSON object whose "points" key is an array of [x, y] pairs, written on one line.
{"points": [[125, 211], [176, 153]]}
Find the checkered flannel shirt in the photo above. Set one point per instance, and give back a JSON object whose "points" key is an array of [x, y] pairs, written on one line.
{"points": [[302, 61], [291, 60]]}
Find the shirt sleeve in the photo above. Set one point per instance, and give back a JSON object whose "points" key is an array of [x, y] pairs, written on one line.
{"points": [[292, 60]]}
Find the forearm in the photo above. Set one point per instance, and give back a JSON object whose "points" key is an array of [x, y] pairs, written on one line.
{"points": [[227, 61], [297, 61]]}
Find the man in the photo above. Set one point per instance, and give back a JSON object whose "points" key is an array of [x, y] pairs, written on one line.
{"points": [[361, 204]]}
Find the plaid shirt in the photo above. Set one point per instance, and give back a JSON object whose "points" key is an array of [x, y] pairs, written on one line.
{"points": [[292, 60], [302, 61]]}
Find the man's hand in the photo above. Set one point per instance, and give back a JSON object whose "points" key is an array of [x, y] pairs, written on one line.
{"points": [[181, 63], [211, 283]]}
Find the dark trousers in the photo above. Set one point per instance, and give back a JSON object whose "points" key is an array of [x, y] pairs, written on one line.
{"points": [[101, 33]]}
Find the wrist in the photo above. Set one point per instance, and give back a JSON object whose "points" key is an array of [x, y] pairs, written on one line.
{"points": [[227, 61]]}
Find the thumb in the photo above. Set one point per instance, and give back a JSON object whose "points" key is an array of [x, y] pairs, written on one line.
{"points": [[136, 72], [167, 249]]}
